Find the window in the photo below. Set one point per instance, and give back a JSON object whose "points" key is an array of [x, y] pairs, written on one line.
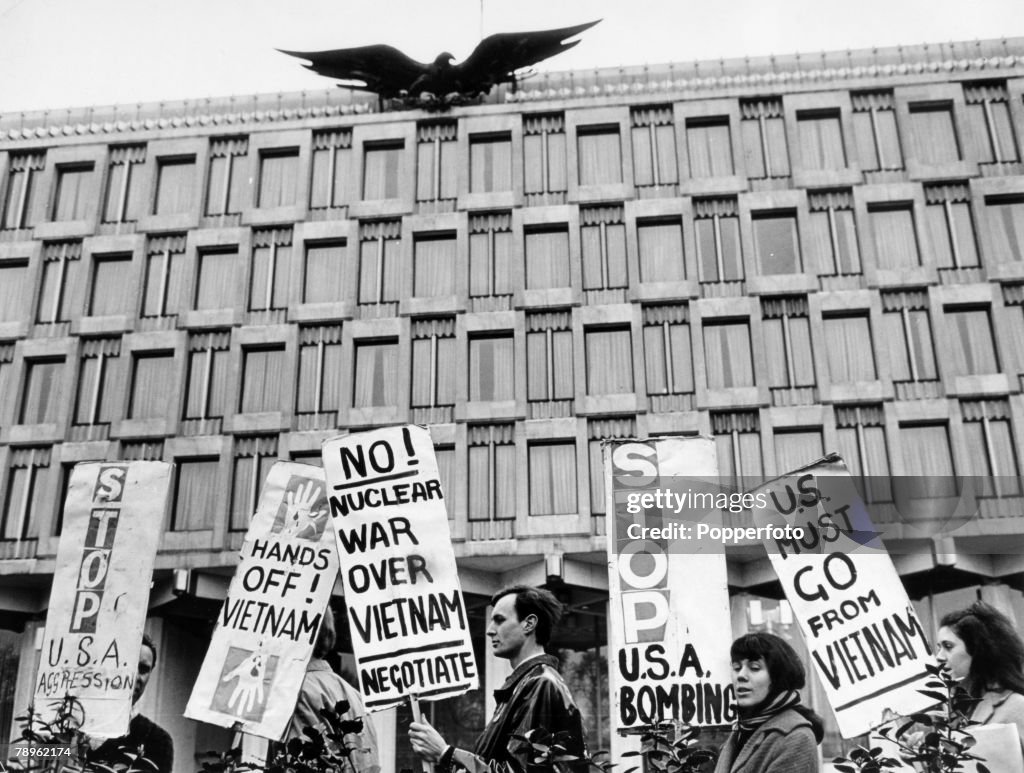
{"points": [[821, 140], [718, 240], [776, 243], [492, 368], [217, 278], [332, 160], [927, 452], [376, 374], [490, 255], [795, 448], [709, 145], [270, 286], [142, 451], [603, 244], [727, 354], [434, 364], [446, 473], [490, 163], [787, 341], [254, 456], [263, 379], [125, 198], [668, 355], [195, 487], [661, 250], [1005, 216], [437, 162], [544, 158], [552, 478], [950, 227], [382, 169], [434, 256], [609, 363], [988, 111], [1013, 325], [164, 292], [763, 131], [14, 289], [153, 373], [600, 155], [107, 295], [860, 433], [833, 239], [934, 131], [279, 178], [227, 185], [324, 272], [492, 473], [379, 256], [73, 200], [654, 146], [62, 276], [25, 473], [321, 370], [907, 333], [209, 370], [43, 394], [738, 446], [895, 236], [547, 258], [850, 353], [20, 196], [102, 382], [6, 365], [599, 430], [993, 456], [549, 364], [175, 185], [875, 132], [970, 346]]}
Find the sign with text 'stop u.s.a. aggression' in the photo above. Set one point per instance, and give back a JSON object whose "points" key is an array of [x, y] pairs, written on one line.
{"points": [[100, 593], [407, 617]]}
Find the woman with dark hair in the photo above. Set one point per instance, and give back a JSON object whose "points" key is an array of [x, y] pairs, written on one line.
{"points": [[775, 733]]}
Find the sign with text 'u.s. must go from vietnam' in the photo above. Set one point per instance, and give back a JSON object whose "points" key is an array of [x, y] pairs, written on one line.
{"points": [[407, 617]]}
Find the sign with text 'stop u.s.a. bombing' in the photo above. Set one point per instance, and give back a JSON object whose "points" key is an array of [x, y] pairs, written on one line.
{"points": [[407, 617]]}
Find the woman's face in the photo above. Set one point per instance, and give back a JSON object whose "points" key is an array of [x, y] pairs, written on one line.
{"points": [[952, 654], [751, 682]]}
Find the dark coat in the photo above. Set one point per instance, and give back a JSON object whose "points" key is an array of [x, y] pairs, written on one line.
{"points": [[144, 737], [783, 744]]}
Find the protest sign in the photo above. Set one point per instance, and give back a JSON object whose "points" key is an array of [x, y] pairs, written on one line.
{"points": [[864, 638], [410, 631], [254, 667], [669, 626], [100, 592]]}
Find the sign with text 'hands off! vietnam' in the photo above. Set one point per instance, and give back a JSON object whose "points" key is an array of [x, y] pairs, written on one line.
{"points": [[408, 621], [254, 667], [100, 593]]}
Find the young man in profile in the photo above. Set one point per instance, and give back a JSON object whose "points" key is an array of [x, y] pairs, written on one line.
{"points": [[533, 697]]}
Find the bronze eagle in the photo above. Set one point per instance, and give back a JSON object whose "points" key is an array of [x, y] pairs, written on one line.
{"points": [[393, 75]]}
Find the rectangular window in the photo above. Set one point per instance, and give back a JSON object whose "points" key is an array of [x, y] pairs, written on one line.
{"points": [[434, 363], [125, 199], [437, 163], [107, 295], [227, 185], [217, 278], [603, 244], [447, 474], [332, 166], [988, 111], [279, 178], [324, 272], [600, 155], [727, 354], [552, 478], [164, 291], [599, 430], [892, 226], [934, 130], [970, 345], [849, 349], [272, 269], [795, 448], [709, 145], [787, 340], [62, 281], [950, 226], [152, 374], [254, 456], [654, 146], [875, 132], [1005, 216], [738, 443], [544, 159], [490, 255], [382, 169], [492, 368], [195, 487], [434, 257], [821, 140], [42, 395], [718, 240], [102, 382], [549, 363], [25, 477], [20, 195], [547, 258], [993, 457], [6, 366], [763, 131], [907, 333], [15, 292], [175, 185], [209, 371], [1012, 327], [379, 256], [73, 199], [660, 244], [263, 379], [490, 163], [776, 243], [833, 239], [609, 355], [376, 374], [860, 433], [492, 473], [321, 371], [668, 354], [927, 452]]}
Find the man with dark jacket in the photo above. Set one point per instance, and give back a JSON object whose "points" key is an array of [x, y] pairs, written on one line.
{"points": [[533, 697]]}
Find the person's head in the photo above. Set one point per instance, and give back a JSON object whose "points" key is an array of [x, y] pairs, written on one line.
{"points": [[147, 662], [763, 665], [980, 646], [521, 615], [327, 636]]}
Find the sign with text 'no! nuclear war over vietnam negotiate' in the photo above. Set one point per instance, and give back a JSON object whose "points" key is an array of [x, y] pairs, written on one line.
{"points": [[254, 667], [100, 593], [407, 617]]}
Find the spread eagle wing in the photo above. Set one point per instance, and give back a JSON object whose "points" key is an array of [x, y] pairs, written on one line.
{"points": [[380, 68], [497, 57]]}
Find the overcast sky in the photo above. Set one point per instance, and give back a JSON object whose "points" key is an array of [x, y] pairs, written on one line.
{"points": [[69, 53]]}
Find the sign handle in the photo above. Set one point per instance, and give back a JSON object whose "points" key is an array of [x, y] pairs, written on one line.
{"points": [[417, 716]]}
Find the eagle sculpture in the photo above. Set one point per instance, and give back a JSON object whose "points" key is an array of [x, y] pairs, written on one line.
{"points": [[393, 75]]}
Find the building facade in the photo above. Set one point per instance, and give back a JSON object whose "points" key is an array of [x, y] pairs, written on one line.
{"points": [[793, 255]]}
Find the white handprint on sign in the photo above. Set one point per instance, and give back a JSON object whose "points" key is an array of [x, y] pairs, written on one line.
{"points": [[248, 691], [303, 513]]}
